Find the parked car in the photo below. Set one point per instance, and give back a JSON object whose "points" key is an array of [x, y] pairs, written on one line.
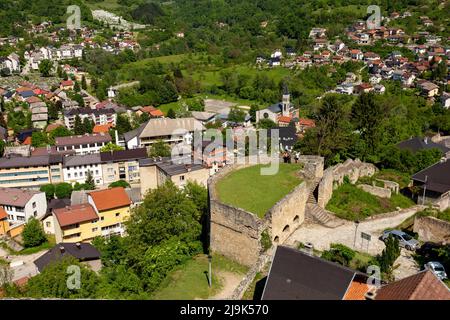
{"points": [[437, 268], [404, 239]]}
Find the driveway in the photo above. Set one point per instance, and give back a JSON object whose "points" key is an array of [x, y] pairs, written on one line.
{"points": [[28, 268], [321, 237]]}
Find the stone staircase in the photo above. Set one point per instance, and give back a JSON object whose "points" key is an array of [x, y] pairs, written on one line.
{"points": [[312, 187], [322, 216]]}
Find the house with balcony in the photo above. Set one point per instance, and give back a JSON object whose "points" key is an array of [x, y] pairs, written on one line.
{"points": [[112, 207], [76, 168], [30, 172], [98, 116], [122, 165], [83, 144], [171, 131]]}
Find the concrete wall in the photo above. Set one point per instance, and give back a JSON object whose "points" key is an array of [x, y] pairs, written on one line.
{"points": [[376, 191], [149, 178], [432, 229]]}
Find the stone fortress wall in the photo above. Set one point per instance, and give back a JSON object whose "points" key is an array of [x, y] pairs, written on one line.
{"points": [[236, 233]]}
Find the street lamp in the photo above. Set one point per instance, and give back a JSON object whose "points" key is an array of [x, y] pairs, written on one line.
{"points": [[356, 231], [209, 273]]}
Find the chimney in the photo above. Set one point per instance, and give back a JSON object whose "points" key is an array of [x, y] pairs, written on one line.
{"points": [[61, 248], [78, 245], [370, 295], [425, 140]]}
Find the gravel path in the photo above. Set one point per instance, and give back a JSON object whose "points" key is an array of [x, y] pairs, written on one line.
{"points": [[321, 237]]}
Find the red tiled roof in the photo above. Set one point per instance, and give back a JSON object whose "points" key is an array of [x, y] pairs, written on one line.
{"points": [[75, 214], [3, 214], [421, 286], [39, 91], [285, 119], [148, 109], [53, 126], [67, 83], [33, 99], [356, 291], [307, 122], [99, 128], [22, 281], [156, 113], [110, 198], [27, 141]]}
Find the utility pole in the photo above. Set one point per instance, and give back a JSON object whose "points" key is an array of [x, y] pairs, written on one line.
{"points": [[424, 190], [356, 231], [209, 273]]}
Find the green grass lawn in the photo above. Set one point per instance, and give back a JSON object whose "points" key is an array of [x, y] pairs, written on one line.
{"points": [[251, 191], [351, 203], [190, 281]]}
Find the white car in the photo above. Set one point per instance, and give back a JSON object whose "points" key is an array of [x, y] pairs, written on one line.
{"points": [[437, 268]]}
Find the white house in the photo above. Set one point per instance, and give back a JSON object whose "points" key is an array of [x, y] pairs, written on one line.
{"points": [[76, 168], [83, 144], [445, 100], [21, 205]]}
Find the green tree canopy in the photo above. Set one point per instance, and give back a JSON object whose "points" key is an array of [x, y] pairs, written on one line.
{"points": [[160, 149], [33, 234]]}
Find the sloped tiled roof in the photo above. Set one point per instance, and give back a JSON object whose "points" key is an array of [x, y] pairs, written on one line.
{"points": [[421, 286], [75, 214], [110, 198], [3, 214]]}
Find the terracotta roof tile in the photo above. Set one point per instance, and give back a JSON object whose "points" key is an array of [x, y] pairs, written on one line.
{"points": [[356, 291], [75, 214], [3, 214], [421, 286], [110, 198], [101, 128]]}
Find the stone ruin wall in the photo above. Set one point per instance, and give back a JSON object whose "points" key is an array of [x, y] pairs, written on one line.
{"points": [[334, 177], [236, 233]]}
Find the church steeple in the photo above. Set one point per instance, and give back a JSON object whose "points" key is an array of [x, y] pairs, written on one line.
{"points": [[286, 103]]}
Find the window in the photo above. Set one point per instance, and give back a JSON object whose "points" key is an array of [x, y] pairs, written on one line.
{"points": [[102, 218], [35, 213], [117, 214], [48, 224], [94, 229], [181, 178], [34, 205]]}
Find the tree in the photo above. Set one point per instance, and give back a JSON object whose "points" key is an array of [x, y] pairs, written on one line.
{"points": [[88, 125], [160, 149], [83, 83], [199, 195], [111, 147], [253, 109], [236, 115], [52, 281], [49, 190], [76, 87], [63, 190], [60, 131], [33, 234], [78, 127], [45, 67], [2, 147], [123, 124], [266, 124], [171, 114], [165, 213], [38, 139], [90, 182], [388, 256], [119, 183], [368, 117]]}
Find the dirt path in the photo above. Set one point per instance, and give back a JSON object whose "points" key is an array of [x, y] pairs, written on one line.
{"points": [[229, 282]]}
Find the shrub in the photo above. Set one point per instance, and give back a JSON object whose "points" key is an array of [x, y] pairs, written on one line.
{"points": [[266, 243], [339, 253]]}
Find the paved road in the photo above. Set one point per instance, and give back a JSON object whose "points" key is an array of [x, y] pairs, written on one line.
{"points": [[321, 237], [28, 268]]}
